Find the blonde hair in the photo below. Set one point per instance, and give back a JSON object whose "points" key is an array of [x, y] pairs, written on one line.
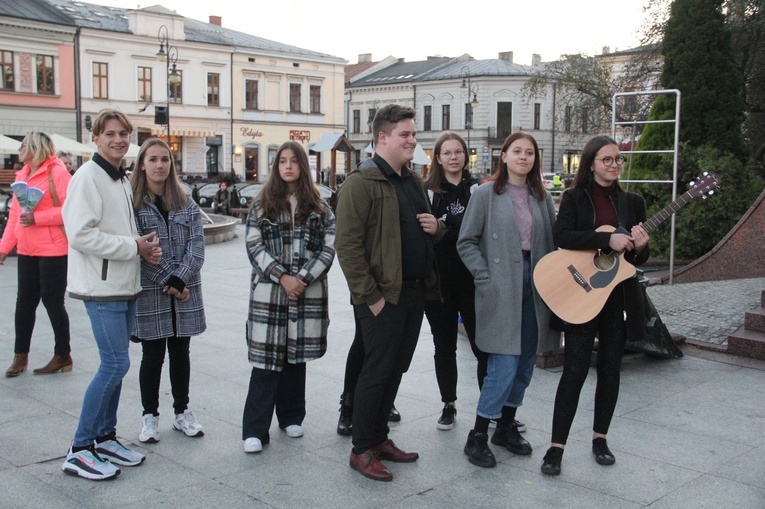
{"points": [[40, 145], [108, 114], [174, 197]]}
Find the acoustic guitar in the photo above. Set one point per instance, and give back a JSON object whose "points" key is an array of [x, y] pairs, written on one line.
{"points": [[575, 284]]}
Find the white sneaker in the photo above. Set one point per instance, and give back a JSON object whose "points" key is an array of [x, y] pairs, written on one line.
{"points": [[253, 444], [294, 430], [88, 464], [149, 432], [117, 453], [187, 423]]}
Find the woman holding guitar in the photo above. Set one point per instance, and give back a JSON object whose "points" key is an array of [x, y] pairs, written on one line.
{"points": [[596, 200], [507, 228]]}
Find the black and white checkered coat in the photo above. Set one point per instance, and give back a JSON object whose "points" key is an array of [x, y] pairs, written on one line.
{"points": [[183, 254], [277, 323]]}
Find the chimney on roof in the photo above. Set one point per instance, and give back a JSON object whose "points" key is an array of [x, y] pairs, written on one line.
{"points": [[365, 57], [606, 50], [216, 20], [536, 59], [506, 56]]}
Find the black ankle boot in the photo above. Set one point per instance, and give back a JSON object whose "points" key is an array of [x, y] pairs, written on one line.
{"points": [[508, 436], [345, 423]]}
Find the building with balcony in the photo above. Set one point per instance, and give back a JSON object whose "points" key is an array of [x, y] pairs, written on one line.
{"points": [[37, 71]]}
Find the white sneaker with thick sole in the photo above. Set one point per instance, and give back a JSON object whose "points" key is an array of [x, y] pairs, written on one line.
{"points": [[294, 430], [253, 444], [149, 433], [89, 465], [117, 453], [188, 425]]}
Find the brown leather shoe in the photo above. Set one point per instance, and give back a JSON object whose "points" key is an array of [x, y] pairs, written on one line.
{"points": [[388, 451], [369, 465], [18, 366], [56, 364]]}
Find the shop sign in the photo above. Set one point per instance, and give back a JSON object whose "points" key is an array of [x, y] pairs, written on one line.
{"points": [[251, 133], [302, 136]]}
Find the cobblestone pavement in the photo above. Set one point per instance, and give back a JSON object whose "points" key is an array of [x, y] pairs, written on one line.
{"points": [[706, 312]]}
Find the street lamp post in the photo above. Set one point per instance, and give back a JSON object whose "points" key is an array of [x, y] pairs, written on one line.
{"points": [[472, 90], [169, 55]]}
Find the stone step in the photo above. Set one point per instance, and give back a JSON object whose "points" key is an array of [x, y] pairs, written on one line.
{"points": [[747, 343], [762, 299], [754, 320]]}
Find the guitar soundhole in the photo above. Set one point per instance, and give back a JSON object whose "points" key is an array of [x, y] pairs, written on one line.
{"points": [[604, 261]]}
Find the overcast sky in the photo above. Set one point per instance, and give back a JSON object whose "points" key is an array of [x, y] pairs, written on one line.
{"points": [[413, 29]]}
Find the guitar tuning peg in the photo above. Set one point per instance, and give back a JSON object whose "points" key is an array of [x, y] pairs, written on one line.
{"points": [[703, 197], [712, 192], [706, 173]]}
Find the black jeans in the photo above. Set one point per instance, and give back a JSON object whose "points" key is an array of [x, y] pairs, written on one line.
{"points": [[150, 374], [355, 359], [458, 299], [281, 390], [41, 277], [611, 330], [390, 339]]}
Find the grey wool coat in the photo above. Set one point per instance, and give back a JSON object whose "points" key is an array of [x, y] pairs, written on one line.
{"points": [[490, 246], [280, 327], [183, 254]]}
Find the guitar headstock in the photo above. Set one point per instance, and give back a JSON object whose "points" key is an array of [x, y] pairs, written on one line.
{"points": [[704, 185]]}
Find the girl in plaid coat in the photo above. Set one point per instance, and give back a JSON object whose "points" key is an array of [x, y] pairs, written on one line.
{"points": [[170, 308], [289, 238]]}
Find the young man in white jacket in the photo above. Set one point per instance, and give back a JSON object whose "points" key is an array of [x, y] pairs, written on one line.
{"points": [[104, 272]]}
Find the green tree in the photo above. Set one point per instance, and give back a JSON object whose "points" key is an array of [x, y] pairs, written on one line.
{"points": [[699, 62]]}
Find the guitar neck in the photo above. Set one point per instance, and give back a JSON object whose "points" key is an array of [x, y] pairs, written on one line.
{"points": [[656, 220]]}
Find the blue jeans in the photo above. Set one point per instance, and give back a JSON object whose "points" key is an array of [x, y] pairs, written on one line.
{"points": [[112, 323], [508, 376]]}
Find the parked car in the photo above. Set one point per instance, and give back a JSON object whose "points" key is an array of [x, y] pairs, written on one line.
{"points": [[568, 179], [547, 181], [206, 193], [480, 177]]}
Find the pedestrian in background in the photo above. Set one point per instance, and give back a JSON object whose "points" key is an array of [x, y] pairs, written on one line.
{"points": [[507, 229], [290, 242], [68, 160], [41, 245], [170, 308], [221, 199], [449, 187], [594, 200], [104, 272]]}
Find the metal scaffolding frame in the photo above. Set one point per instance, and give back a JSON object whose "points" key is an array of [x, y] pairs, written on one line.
{"points": [[673, 151]]}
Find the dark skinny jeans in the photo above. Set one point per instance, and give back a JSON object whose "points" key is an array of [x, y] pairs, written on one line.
{"points": [[611, 330], [41, 278], [150, 374], [458, 300]]}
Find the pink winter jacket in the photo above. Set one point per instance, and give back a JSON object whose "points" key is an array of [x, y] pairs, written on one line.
{"points": [[45, 237]]}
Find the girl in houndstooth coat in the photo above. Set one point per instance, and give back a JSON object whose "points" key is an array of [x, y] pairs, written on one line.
{"points": [[170, 308], [290, 242]]}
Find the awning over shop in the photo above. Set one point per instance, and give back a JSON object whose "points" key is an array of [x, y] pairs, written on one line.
{"points": [[9, 145], [332, 141], [420, 157], [65, 144], [132, 152], [159, 132]]}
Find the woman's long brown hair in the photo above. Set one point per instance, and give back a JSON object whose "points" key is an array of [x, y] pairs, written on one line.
{"points": [[273, 199]]}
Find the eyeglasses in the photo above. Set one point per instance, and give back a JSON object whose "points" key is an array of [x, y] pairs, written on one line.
{"points": [[448, 154], [609, 161]]}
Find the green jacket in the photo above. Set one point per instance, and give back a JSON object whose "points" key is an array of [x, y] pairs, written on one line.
{"points": [[368, 237]]}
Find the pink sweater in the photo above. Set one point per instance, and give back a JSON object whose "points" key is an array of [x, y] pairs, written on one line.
{"points": [[45, 237]]}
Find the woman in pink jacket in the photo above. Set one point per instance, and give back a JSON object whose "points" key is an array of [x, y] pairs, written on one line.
{"points": [[41, 244]]}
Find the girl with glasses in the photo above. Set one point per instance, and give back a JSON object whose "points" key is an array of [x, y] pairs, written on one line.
{"points": [[596, 200]]}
